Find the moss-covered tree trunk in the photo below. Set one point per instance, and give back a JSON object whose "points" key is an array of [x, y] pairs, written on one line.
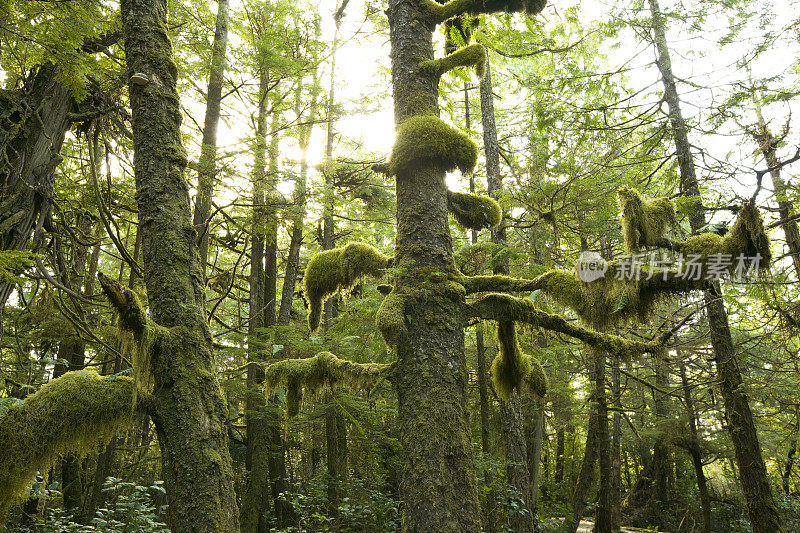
{"points": [[188, 407], [749, 459], [206, 166], [438, 481], [585, 476]]}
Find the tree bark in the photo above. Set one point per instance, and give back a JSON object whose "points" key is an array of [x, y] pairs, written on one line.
{"points": [[586, 475], [206, 166], [694, 452], [438, 482], [749, 459], [515, 447], [187, 407], [30, 141]]}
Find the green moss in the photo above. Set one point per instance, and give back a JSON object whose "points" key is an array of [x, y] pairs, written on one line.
{"points": [[315, 374], [603, 302], [537, 378], [75, 413], [644, 221], [340, 268], [511, 368], [391, 319], [476, 7], [473, 211], [746, 237], [473, 55], [428, 141]]}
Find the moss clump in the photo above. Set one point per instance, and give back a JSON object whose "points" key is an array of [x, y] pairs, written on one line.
{"points": [[340, 268], [391, 319], [747, 237], [473, 211], [511, 368], [428, 141], [644, 221], [315, 374], [537, 378], [473, 55], [476, 7], [75, 413]]}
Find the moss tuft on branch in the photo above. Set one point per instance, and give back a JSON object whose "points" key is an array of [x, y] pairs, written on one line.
{"points": [[339, 268], [747, 237], [75, 413], [428, 141], [644, 221], [474, 211], [473, 55], [511, 368], [391, 318], [315, 374]]}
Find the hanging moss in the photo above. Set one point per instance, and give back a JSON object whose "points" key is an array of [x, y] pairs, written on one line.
{"points": [[473, 211], [391, 319], [511, 368], [315, 374], [476, 7], [428, 141], [644, 221], [746, 237], [339, 268], [75, 413], [473, 55], [537, 378]]}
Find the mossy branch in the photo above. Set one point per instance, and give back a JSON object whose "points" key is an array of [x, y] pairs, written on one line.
{"points": [[440, 12], [130, 310], [502, 307], [474, 211], [473, 55], [339, 268], [391, 318], [75, 413], [315, 374]]}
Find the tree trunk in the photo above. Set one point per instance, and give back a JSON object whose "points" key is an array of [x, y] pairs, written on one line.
{"points": [[558, 474], [513, 431], [586, 475], [187, 406], [206, 166], [36, 119], [694, 452], [603, 519], [255, 501], [438, 482], [535, 436], [616, 446], [749, 459]]}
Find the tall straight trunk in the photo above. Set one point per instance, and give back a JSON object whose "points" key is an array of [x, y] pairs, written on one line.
{"points": [[753, 477], [535, 437], [616, 445], [438, 481], [274, 419], [517, 475], [558, 473], [585, 476], [694, 451], [187, 405], [299, 210], [206, 166], [255, 501], [603, 518]]}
